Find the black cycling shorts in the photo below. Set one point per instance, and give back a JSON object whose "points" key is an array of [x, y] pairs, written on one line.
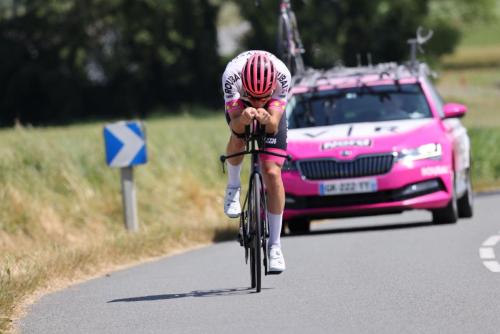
{"points": [[274, 142], [277, 140]]}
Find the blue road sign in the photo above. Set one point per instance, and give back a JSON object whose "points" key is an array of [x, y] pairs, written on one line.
{"points": [[125, 144]]}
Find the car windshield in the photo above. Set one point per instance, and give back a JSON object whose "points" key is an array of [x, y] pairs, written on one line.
{"points": [[359, 104]]}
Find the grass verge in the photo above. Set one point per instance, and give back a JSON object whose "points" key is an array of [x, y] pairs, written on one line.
{"points": [[61, 210]]}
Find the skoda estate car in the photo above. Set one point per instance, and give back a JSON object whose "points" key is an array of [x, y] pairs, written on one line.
{"points": [[374, 140]]}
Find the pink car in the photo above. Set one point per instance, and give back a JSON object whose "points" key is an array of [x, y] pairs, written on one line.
{"points": [[374, 140]]}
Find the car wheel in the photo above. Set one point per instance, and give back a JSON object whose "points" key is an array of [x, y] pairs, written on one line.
{"points": [[466, 202], [299, 226], [448, 214]]}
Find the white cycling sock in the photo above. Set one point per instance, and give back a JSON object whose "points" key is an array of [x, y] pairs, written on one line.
{"points": [[275, 222], [233, 175]]}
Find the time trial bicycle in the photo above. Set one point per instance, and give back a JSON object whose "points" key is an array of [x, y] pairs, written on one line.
{"points": [[254, 227]]}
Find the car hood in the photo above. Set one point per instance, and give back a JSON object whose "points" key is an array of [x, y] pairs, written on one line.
{"points": [[346, 141]]}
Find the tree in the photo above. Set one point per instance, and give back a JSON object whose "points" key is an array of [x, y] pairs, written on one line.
{"points": [[339, 30], [66, 59]]}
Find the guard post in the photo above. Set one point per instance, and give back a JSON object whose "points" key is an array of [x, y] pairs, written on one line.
{"points": [[125, 144]]}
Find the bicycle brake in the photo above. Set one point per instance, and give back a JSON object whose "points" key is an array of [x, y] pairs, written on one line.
{"points": [[223, 166], [240, 237]]}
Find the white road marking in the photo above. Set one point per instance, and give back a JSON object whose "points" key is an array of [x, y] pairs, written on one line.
{"points": [[488, 253], [492, 241], [494, 266]]}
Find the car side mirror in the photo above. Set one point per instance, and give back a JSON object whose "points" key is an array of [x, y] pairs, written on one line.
{"points": [[454, 110]]}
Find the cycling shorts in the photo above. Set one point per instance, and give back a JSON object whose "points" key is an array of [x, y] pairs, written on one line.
{"points": [[274, 142]]}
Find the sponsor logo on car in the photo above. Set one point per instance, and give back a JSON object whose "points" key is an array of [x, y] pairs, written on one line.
{"points": [[346, 143], [434, 170]]}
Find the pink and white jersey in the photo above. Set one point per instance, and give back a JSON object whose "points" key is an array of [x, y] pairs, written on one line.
{"points": [[235, 95]]}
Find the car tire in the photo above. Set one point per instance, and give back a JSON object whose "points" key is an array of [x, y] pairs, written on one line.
{"points": [[300, 226], [466, 202], [448, 214]]}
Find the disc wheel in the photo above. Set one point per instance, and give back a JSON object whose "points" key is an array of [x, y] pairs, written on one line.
{"points": [[255, 226]]}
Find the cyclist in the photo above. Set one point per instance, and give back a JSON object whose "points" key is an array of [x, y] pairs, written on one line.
{"points": [[255, 85]]}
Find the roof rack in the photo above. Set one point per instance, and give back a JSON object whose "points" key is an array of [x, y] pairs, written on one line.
{"points": [[391, 70]]}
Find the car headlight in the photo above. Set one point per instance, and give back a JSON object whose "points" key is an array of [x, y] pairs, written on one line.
{"points": [[289, 166], [428, 151]]}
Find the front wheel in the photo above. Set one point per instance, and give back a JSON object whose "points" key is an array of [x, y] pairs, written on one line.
{"points": [[448, 214], [466, 202], [256, 230]]}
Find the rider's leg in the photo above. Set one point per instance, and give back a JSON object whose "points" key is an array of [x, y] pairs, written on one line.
{"points": [[271, 172], [232, 206], [234, 145]]}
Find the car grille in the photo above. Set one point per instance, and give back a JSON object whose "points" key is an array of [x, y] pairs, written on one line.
{"points": [[324, 169]]}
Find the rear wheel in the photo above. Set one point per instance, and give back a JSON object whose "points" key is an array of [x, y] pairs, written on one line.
{"points": [[448, 214], [299, 226], [466, 202]]}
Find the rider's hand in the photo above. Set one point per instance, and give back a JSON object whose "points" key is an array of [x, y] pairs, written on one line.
{"points": [[263, 116], [247, 115]]}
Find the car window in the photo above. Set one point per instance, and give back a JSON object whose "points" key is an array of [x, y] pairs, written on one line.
{"points": [[359, 104]]}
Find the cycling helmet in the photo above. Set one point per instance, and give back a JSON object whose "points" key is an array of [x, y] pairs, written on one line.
{"points": [[259, 75]]}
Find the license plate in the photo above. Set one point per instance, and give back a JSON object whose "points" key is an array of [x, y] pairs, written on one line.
{"points": [[348, 186]]}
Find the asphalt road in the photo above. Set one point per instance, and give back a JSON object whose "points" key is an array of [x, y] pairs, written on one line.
{"points": [[386, 274]]}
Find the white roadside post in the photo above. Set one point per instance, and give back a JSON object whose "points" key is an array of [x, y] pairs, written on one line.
{"points": [[125, 144]]}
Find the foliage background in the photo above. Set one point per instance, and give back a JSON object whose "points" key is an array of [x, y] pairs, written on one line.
{"points": [[66, 60], [62, 60], [339, 30]]}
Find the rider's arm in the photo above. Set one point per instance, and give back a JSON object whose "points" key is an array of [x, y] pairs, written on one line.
{"points": [[241, 118], [269, 118], [275, 109]]}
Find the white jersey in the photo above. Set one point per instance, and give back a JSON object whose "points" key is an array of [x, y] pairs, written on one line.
{"points": [[233, 87]]}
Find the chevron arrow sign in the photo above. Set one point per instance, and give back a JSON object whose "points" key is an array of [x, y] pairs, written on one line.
{"points": [[125, 144]]}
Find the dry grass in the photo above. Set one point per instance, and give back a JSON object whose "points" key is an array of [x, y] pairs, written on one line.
{"points": [[474, 80], [60, 205], [479, 89], [474, 57], [472, 74]]}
